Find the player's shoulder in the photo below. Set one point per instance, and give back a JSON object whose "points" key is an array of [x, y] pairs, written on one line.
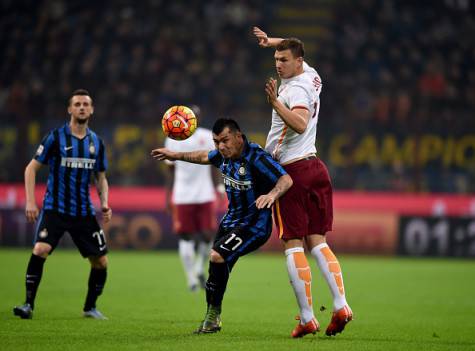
{"points": [[55, 132], [94, 135], [256, 150]]}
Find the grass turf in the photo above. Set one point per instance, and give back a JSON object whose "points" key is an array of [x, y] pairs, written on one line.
{"points": [[399, 304]]}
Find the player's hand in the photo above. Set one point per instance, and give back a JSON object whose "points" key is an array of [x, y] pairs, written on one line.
{"points": [[106, 214], [261, 36], [31, 212], [265, 201], [271, 90], [163, 154]]}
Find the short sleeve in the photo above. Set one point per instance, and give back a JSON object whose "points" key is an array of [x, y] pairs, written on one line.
{"points": [[44, 150], [215, 158], [299, 98], [268, 168], [101, 163]]}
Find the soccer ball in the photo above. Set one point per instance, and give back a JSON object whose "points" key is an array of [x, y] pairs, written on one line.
{"points": [[179, 122]]}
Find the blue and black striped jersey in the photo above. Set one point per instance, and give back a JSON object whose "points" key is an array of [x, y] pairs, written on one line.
{"points": [[71, 162], [254, 174]]}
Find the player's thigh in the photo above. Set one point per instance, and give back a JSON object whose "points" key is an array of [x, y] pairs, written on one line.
{"points": [[237, 242], [320, 201], [206, 217], [88, 236], [184, 219], [290, 213], [50, 229]]}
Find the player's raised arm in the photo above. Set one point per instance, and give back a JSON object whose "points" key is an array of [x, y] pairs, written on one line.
{"points": [[297, 119], [263, 40], [200, 157]]}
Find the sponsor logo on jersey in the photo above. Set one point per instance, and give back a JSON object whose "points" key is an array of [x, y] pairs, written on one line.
{"points": [[237, 184], [78, 162]]}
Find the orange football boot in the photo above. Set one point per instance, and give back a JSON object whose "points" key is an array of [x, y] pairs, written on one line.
{"points": [[303, 329], [340, 318]]}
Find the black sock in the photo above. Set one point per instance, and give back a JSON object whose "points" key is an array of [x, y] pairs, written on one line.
{"points": [[33, 277], [97, 280], [216, 284]]}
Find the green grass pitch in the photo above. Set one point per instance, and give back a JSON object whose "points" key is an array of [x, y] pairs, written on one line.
{"points": [[399, 304]]}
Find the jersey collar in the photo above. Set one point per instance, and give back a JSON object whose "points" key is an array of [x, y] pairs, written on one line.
{"points": [[67, 130]]}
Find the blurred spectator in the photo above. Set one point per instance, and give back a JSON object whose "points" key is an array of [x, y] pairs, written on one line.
{"points": [[399, 68]]}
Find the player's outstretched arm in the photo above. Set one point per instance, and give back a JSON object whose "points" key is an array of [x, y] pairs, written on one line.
{"points": [[283, 184], [200, 157], [263, 40]]}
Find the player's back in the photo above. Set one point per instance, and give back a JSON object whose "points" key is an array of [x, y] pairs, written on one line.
{"points": [[193, 183], [302, 91]]}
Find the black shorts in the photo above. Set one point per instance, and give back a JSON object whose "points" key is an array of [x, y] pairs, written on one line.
{"points": [[85, 232], [236, 242]]}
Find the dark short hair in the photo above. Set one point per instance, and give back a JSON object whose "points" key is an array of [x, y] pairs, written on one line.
{"points": [[294, 45], [82, 92], [222, 123]]}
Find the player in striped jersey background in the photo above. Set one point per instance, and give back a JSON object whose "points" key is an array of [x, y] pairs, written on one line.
{"points": [[74, 154]]}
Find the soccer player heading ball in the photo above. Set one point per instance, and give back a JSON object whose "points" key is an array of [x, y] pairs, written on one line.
{"points": [[253, 182]]}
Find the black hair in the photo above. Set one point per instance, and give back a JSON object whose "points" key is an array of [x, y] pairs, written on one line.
{"points": [[82, 92], [222, 123], [294, 45]]}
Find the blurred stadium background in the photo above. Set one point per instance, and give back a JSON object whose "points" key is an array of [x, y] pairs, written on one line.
{"points": [[397, 126]]}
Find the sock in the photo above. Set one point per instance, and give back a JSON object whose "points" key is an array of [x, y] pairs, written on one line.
{"points": [[186, 249], [216, 284], [33, 277], [202, 256], [301, 280], [330, 268], [97, 280]]}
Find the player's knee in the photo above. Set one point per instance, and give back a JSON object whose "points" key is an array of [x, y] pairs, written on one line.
{"points": [[99, 262], [186, 236], [215, 257], [42, 249], [315, 240]]}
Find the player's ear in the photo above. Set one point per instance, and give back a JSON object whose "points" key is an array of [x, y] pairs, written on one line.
{"points": [[69, 110]]}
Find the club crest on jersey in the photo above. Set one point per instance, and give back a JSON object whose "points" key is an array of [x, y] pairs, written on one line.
{"points": [[43, 234], [40, 149], [242, 170], [92, 149]]}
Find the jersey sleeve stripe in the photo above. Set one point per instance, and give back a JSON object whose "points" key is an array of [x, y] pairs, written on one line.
{"points": [[215, 158], [278, 218], [300, 107]]}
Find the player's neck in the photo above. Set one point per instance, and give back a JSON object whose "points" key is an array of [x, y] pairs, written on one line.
{"points": [[298, 72], [78, 129]]}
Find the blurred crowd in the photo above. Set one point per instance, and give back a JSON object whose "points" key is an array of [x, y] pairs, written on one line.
{"points": [[388, 67], [405, 68]]}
